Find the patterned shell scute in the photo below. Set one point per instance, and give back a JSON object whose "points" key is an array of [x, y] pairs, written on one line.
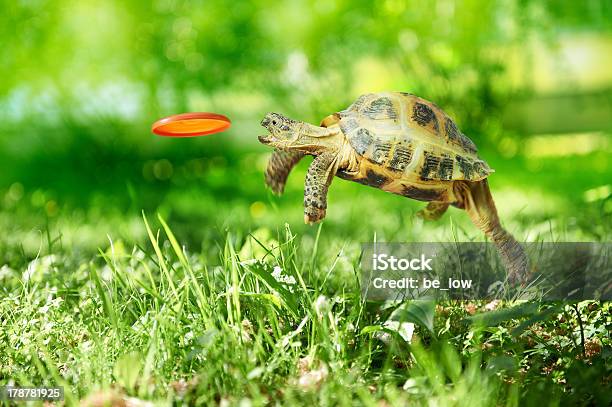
{"points": [[380, 109], [423, 115], [402, 155], [408, 134], [361, 140], [455, 136]]}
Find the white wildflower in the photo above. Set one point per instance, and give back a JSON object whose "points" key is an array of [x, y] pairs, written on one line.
{"points": [[5, 272], [492, 305], [138, 254], [29, 272], [278, 275], [246, 331], [245, 402], [277, 272], [255, 373], [321, 305], [404, 329], [87, 346], [107, 273], [312, 379], [48, 261]]}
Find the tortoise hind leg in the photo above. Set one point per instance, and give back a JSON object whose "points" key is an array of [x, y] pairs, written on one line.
{"points": [[476, 199], [280, 165], [433, 210]]}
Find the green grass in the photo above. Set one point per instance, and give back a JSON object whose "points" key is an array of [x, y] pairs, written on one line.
{"points": [[275, 317]]}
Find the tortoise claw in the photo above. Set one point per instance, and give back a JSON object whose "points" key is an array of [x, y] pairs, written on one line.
{"points": [[313, 215]]}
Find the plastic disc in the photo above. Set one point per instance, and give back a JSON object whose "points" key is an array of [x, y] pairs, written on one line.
{"points": [[191, 124]]}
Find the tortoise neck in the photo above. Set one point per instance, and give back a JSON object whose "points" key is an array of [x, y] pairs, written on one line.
{"points": [[316, 140], [308, 129]]}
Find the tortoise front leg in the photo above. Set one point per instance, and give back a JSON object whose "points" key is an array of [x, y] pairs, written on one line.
{"points": [[318, 179], [280, 165]]}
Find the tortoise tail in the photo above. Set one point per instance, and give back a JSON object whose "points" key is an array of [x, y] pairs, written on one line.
{"points": [[476, 199]]}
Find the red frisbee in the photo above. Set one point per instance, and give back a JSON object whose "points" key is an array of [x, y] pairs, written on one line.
{"points": [[191, 124]]}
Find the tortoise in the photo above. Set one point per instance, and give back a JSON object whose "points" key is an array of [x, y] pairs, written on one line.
{"points": [[397, 142]]}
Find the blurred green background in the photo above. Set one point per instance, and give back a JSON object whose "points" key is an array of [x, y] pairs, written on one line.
{"points": [[82, 81]]}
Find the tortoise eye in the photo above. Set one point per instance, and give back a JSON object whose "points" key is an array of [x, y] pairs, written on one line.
{"points": [[274, 122]]}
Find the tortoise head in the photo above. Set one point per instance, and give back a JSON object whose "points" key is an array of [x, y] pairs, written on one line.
{"points": [[283, 131], [286, 133]]}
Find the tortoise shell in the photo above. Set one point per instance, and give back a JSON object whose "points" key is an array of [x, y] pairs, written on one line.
{"points": [[411, 136]]}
